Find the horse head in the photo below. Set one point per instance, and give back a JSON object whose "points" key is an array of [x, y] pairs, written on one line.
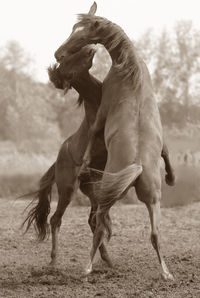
{"points": [[71, 67], [83, 33]]}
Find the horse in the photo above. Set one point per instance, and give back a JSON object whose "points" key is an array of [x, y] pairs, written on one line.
{"points": [[74, 71], [133, 131]]}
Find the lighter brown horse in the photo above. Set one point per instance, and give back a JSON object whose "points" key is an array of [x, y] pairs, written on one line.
{"points": [[74, 72], [133, 131]]}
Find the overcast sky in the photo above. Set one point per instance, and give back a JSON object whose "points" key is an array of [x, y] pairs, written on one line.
{"points": [[40, 26]]}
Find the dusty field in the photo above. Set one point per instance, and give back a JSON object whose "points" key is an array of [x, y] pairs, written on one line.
{"points": [[23, 262]]}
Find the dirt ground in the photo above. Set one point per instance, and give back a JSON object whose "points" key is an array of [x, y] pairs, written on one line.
{"points": [[24, 270]]}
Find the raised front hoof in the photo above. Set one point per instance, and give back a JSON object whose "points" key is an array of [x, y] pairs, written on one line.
{"points": [[170, 180], [167, 276]]}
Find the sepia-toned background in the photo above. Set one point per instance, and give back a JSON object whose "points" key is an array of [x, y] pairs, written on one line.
{"points": [[36, 118]]}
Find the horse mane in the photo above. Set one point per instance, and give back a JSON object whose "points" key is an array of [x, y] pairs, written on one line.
{"points": [[58, 81], [55, 76], [127, 63]]}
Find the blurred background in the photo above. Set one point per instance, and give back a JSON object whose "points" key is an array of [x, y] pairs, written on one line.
{"points": [[36, 118]]}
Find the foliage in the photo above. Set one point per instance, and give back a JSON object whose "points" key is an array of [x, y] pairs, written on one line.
{"points": [[30, 109], [174, 60]]}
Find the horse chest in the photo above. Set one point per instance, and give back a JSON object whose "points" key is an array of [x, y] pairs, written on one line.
{"points": [[122, 122]]}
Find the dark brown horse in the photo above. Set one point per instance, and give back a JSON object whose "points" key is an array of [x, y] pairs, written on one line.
{"points": [[133, 132], [72, 72]]}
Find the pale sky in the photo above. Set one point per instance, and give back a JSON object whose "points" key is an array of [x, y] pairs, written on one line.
{"points": [[40, 26]]}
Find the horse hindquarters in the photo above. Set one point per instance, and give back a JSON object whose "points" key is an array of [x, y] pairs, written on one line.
{"points": [[148, 189]]}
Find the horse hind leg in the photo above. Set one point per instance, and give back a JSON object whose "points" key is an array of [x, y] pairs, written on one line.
{"points": [[102, 249], [56, 220], [154, 213], [87, 189], [102, 222], [152, 201], [66, 184]]}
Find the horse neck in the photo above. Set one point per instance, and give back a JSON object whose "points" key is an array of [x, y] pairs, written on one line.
{"points": [[125, 61], [117, 42], [90, 89]]}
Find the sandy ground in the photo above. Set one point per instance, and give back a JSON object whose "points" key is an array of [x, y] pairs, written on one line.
{"points": [[24, 270]]}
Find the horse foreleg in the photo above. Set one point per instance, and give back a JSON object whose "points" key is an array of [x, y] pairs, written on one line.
{"points": [[154, 213], [94, 130], [87, 155]]}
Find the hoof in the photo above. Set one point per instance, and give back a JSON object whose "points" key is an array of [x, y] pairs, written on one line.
{"points": [[170, 180], [88, 269], [167, 276], [52, 263], [108, 262]]}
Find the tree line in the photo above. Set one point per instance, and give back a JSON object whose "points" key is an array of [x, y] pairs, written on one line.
{"points": [[35, 110]]}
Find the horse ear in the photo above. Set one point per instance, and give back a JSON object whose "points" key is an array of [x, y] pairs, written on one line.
{"points": [[93, 9]]}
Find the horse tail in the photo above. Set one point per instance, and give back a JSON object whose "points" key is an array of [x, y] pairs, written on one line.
{"points": [[169, 177], [39, 213], [112, 187]]}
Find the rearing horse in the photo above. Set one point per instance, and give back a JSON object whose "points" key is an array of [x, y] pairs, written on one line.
{"points": [[73, 72], [133, 131]]}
